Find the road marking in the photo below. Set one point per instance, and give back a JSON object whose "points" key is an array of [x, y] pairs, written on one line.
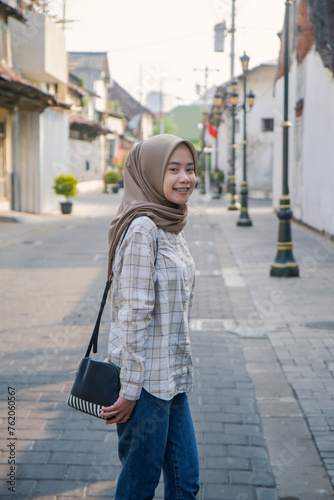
{"points": [[208, 272], [233, 278]]}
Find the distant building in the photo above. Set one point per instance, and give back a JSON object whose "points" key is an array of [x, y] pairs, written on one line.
{"points": [[139, 118], [154, 101], [187, 119], [92, 140], [260, 135]]}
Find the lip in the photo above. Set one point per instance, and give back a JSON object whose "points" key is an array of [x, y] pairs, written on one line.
{"points": [[181, 190]]}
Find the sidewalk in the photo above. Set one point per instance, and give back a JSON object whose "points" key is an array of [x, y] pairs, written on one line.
{"points": [[263, 352], [285, 329]]}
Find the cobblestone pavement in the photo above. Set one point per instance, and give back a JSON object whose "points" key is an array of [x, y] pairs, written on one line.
{"points": [[263, 352]]}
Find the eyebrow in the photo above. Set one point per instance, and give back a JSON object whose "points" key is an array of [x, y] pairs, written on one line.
{"points": [[178, 163]]}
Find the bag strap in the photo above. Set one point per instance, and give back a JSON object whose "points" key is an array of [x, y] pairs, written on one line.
{"points": [[95, 334]]}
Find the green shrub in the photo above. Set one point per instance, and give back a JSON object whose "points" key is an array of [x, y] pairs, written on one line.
{"points": [[217, 175], [66, 185], [112, 177]]}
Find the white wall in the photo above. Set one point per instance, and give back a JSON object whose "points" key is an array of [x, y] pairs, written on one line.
{"points": [[101, 90], [259, 143], [318, 146], [38, 48], [311, 151], [39, 156], [54, 132], [146, 125], [26, 161], [81, 152]]}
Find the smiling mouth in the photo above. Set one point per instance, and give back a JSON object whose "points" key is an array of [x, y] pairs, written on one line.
{"points": [[181, 190]]}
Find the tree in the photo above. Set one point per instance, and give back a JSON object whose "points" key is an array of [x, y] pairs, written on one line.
{"points": [[170, 126]]}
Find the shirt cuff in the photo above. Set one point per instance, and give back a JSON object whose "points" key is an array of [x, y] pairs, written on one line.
{"points": [[131, 392]]}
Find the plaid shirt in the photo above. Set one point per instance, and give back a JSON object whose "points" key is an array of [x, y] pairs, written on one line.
{"points": [[151, 301]]}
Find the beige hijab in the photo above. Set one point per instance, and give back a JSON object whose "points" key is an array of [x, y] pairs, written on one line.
{"points": [[144, 173]]}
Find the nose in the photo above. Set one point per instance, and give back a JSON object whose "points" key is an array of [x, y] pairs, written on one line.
{"points": [[184, 177]]}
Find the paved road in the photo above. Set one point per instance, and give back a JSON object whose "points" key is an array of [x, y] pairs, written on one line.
{"points": [[263, 350]]}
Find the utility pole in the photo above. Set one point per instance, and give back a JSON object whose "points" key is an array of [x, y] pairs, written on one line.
{"points": [[233, 40], [232, 204], [161, 105], [140, 84], [206, 75], [64, 13], [206, 71]]}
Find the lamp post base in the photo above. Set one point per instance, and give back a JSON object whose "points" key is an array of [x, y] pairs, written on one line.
{"points": [[216, 190], [284, 265], [233, 203], [244, 219], [287, 270]]}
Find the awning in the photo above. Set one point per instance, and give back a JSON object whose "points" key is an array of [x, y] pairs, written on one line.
{"points": [[79, 122], [16, 91]]}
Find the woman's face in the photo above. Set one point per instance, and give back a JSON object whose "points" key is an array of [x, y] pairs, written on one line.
{"points": [[180, 177]]}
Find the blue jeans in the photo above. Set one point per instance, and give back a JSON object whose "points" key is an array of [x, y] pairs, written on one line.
{"points": [[159, 436]]}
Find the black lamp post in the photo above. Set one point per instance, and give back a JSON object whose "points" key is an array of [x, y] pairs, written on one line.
{"points": [[284, 265], [244, 219], [233, 109], [202, 155]]}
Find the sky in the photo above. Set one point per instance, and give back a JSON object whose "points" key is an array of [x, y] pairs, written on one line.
{"points": [[155, 45]]}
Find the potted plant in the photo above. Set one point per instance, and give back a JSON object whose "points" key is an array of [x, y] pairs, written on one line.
{"points": [[217, 179], [66, 185], [112, 178]]}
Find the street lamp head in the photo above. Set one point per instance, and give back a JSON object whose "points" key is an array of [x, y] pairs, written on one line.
{"points": [[234, 86], [234, 98], [218, 101], [251, 98], [244, 62]]}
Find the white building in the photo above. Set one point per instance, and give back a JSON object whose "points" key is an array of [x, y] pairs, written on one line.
{"points": [[86, 153], [40, 133], [311, 112], [260, 126]]}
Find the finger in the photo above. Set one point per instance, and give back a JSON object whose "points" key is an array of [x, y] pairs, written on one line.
{"points": [[108, 414], [124, 419], [110, 421], [108, 408]]}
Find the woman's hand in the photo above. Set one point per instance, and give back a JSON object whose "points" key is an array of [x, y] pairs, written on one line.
{"points": [[119, 412]]}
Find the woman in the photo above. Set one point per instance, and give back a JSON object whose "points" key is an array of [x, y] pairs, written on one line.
{"points": [[153, 280]]}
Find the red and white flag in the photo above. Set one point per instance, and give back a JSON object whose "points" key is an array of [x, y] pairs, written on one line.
{"points": [[119, 157], [212, 130]]}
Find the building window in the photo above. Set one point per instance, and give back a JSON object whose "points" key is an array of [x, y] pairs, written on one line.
{"points": [[74, 134], [299, 108], [110, 151], [267, 124]]}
